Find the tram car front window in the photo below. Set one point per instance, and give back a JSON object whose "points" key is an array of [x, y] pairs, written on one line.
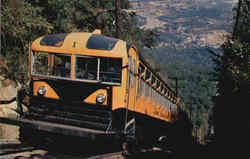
{"points": [[51, 65], [110, 70], [86, 67], [40, 63], [103, 69], [62, 64]]}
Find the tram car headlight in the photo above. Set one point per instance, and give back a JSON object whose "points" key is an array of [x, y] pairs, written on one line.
{"points": [[41, 90], [100, 98]]}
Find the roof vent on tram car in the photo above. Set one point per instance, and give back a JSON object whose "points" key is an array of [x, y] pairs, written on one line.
{"points": [[97, 31]]}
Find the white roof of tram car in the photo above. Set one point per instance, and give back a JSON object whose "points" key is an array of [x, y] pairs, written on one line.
{"points": [[92, 44]]}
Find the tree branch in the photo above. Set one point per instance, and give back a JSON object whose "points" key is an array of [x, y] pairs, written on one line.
{"points": [[235, 29]]}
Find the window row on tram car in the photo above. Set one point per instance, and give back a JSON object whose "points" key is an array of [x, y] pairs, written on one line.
{"points": [[86, 68], [153, 86]]}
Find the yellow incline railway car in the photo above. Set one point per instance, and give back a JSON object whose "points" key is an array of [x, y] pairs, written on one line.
{"points": [[88, 80]]}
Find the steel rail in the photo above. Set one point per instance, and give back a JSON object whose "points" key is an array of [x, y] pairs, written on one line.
{"points": [[114, 155]]}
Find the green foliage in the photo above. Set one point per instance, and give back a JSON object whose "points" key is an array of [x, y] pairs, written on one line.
{"points": [[241, 30], [231, 112], [232, 66], [22, 21], [20, 24], [196, 85]]}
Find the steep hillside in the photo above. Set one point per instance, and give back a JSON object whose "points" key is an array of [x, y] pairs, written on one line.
{"points": [[190, 22], [187, 28]]}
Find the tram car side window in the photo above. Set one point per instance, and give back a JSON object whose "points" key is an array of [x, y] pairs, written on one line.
{"points": [[152, 81], [148, 75], [40, 63], [157, 84]]}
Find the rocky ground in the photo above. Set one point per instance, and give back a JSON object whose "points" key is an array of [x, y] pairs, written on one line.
{"points": [[8, 107]]}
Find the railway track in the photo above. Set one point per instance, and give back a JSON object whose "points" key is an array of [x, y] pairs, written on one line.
{"points": [[116, 155], [13, 149]]}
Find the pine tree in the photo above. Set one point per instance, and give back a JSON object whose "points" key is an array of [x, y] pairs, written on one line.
{"points": [[232, 104]]}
